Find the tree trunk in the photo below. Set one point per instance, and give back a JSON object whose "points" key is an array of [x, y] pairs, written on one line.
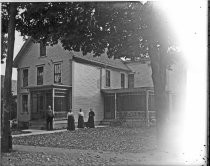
{"points": [[6, 142], [158, 66]]}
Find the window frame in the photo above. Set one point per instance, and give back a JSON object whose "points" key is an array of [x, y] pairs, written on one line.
{"points": [[42, 82], [122, 75], [108, 78], [57, 74], [131, 84], [24, 79]]}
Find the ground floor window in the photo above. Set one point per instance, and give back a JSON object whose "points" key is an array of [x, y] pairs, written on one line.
{"points": [[24, 103], [61, 100]]}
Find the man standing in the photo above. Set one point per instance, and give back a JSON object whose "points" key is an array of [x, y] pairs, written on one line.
{"points": [[49, 118]]}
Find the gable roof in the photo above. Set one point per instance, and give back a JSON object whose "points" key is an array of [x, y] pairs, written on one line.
{"points": [[20, 53], [102, 60]]}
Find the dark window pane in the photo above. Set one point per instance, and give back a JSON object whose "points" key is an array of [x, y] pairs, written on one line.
{"points": [[122, 80], [42, 49], [57, 73], [107, 78], [131, 81], [40, 71], [25, 77], [25, 103]]}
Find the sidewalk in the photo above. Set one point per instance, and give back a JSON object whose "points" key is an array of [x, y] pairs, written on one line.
{"points": [[37, 132]]}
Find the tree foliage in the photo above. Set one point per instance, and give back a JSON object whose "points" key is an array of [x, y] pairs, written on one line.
{"points": [[4, 40], [124, 28]]}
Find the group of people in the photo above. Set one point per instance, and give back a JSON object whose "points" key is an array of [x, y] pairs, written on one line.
{"points": [[81, 123], [71, 120]]}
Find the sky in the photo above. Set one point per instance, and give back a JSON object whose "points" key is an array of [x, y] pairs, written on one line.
{"points": [[18, 44]]}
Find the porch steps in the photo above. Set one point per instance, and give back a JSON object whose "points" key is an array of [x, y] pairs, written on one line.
{"points": [[37, 125], [106, 122]]}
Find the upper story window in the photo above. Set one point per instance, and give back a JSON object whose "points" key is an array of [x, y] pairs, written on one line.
{"points": [[57, 73], [42, 49], [122, 80], [107, 78], [25, 77], [40, 73], [130, 80]]}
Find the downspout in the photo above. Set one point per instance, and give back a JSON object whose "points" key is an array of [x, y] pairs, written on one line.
{"points": [[147, 108]]}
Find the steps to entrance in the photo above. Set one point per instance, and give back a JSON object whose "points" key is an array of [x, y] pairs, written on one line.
{"points": [[106, 122], [37, 125]]}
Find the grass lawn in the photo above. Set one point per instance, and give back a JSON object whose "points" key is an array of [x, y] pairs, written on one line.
{"points": [[116, 139]]}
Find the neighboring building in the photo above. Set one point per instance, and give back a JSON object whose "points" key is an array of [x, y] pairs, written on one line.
{"points": [[65, 80]]}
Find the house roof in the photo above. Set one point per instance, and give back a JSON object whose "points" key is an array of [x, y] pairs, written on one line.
{"points": [[102, 60], [20, 53], [14, 85], [127, 90], [44, 87]]}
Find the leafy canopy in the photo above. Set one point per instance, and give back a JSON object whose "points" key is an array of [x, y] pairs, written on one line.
{"points": [[125, 29]]}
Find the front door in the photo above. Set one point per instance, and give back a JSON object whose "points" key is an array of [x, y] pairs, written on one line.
{"points": [[39, 103], [109, 106]]}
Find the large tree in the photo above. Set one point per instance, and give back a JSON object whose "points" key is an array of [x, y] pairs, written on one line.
{"points": [[125, 29], [6, 135]]}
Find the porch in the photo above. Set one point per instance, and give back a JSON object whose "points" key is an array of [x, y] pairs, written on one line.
{"points": [[57, 96], [134, 105]]}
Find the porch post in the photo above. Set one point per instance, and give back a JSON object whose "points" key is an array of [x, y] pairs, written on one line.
{"points": [[115, 106], [53, 100], [147, 108]]}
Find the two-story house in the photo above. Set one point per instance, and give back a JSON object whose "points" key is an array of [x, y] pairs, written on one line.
{"points": [[50, 75]]}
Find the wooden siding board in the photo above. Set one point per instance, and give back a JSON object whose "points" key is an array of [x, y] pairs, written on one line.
{"points": [[86, 90]]}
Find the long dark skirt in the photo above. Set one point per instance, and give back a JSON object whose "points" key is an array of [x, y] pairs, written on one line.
{"points": [[71, 124], [91, 122], [80, 122]]}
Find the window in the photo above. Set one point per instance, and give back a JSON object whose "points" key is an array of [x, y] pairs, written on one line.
{"points": [[122, 80], [24, 103], [42, 49], [40, 71], [107, 78], [131, 81], [57, 73], [25, 77]]}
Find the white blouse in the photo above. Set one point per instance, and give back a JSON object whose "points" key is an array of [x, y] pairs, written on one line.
{"points": [[81, 114], [70, 114]]}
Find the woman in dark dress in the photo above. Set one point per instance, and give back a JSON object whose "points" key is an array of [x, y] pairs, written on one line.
{"points": [[91, 119], [70, 120], [80, 119]]}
